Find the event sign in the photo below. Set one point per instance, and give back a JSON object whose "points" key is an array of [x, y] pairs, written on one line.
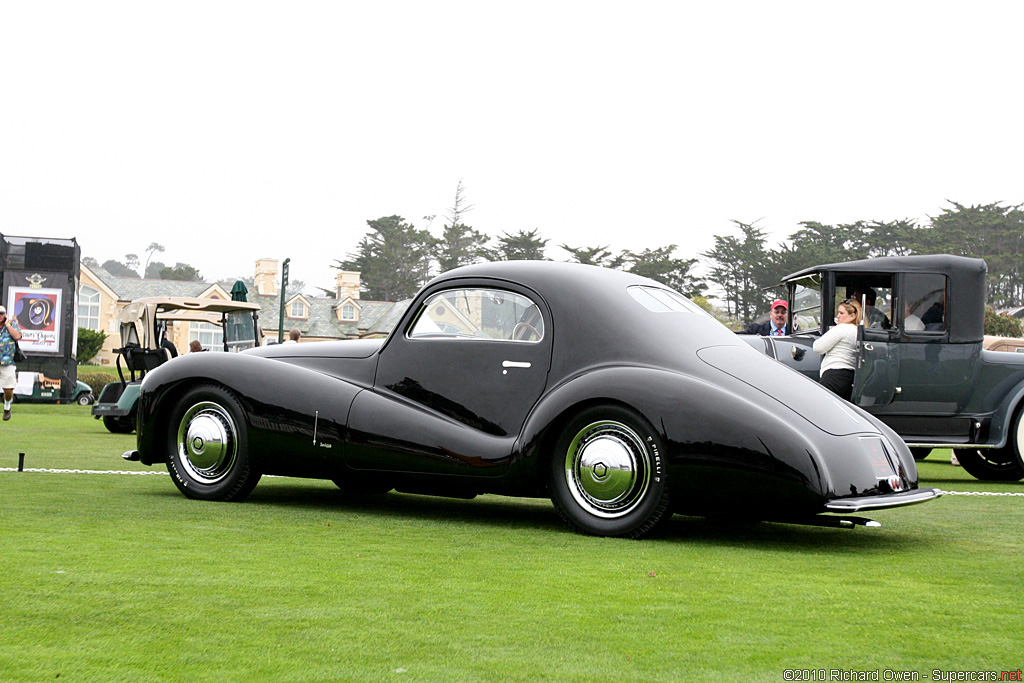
{"points": [[37, 311]]}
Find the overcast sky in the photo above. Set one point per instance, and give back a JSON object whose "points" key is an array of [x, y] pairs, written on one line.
{"points": [[232, 131]]}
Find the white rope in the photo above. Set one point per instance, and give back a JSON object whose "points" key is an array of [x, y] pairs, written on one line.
{"points": [[56, 471], [980, 493], [53, 471]]}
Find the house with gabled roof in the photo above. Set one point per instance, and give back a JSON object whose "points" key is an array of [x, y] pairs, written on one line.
{"points": [[345, 316]]}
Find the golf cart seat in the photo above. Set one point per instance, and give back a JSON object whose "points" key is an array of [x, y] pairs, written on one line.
{"points": [[138, 360]]}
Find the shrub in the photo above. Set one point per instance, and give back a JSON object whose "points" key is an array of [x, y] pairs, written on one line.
{"points": [[1001, 325], [89, 343], [98, 380]]}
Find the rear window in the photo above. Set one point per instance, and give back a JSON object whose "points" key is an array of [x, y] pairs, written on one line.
{"points": [[662, 300]]}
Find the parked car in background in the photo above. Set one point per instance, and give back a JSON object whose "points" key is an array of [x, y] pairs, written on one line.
{"points": [[619, 399], [922, 367], [1010, 344]]}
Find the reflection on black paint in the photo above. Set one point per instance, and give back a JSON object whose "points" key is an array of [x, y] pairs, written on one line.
{"points": [[414, 391]]}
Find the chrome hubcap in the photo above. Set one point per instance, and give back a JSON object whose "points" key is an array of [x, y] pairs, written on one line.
{"points": [[207, 442], [607, 469]]}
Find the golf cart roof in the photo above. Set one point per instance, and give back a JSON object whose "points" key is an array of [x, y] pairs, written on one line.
{"points": [[138, 320], [180, 307]]}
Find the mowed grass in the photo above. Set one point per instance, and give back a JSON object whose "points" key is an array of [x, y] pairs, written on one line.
{"points": [[110, 577]]}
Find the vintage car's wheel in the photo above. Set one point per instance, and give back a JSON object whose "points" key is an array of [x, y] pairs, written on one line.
{"points": [[608, 474], [997, 464], [119, 425], [920, 453], [208, 446], [993, 464]]}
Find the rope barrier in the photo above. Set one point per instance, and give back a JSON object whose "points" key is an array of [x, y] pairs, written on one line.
{"points": [[56, 471], [981, 493]]}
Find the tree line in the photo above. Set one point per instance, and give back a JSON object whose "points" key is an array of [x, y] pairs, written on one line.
{"points": [[155, 270], [395, 258], [748, 269]]}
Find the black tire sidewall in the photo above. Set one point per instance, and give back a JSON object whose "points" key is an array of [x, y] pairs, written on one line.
{"points": [[653, 509], [118, 425], [242, 477]]}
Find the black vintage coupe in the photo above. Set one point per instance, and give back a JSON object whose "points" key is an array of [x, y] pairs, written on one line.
{"points": [[616, 397]]}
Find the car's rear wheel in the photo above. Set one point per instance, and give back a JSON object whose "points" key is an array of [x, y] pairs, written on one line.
{"points": [[208, 446], [608, 474]]}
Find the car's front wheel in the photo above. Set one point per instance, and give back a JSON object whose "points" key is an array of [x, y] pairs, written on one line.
{"points": [[208, 446], [608, 474], [992, 464], [84, 399]]}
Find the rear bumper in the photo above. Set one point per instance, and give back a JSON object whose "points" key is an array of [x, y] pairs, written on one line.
{"points": [[889, 500]]}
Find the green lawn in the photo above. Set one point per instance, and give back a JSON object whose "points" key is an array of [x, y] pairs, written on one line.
{"points": [[110, 577]]}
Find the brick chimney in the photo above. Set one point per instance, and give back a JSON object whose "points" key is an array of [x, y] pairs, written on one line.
{"points": [[347, 284]]}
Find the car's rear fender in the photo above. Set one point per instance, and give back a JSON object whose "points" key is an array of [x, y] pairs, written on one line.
{"points": [[706, 428]]}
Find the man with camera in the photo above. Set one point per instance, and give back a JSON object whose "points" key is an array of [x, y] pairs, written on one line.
{"points": [[10, 333]]}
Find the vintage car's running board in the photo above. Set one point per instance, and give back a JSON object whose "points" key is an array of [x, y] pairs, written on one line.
{"points": [[880, 502]]}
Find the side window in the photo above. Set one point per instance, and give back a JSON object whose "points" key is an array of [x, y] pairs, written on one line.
{"points": [[924, 303], [807, 304], [479, 314], [874, 296]]}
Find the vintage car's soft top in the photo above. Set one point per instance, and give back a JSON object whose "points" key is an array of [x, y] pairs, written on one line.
{"points": [[966, 301]]}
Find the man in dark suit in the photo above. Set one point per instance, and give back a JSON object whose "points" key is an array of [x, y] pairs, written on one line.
{"points": [[775, 326]]}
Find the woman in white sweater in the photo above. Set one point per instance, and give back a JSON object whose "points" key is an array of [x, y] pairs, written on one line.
{"points": [[839, 346]]}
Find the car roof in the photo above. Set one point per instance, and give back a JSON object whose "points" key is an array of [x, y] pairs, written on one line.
{"points": [[959, 266], [595, 319], [967, 291]]}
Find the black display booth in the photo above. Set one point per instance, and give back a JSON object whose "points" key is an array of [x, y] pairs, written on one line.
{"points": [[40, 290]]}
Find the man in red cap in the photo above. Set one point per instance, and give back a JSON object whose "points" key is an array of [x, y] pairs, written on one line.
{"points": [[776, 324]]}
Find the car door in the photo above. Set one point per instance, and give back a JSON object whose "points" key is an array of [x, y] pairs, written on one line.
{"points": [[453, 388], [878, 368]]}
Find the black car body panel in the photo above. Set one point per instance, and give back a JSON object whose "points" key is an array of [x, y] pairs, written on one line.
{"points": [[438, 408]]}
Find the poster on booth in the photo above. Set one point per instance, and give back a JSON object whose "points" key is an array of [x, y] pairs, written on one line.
{"points": [[38, 314]]}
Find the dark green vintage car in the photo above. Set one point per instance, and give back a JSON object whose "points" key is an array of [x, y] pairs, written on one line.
{"points": [[921, 367]]}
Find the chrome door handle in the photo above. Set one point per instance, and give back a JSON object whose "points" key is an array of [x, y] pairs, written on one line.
{"points": [[515, 364], [869, 347]]}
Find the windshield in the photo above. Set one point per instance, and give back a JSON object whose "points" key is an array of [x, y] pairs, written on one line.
{"points": [[240, 331], [807, 303]]}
